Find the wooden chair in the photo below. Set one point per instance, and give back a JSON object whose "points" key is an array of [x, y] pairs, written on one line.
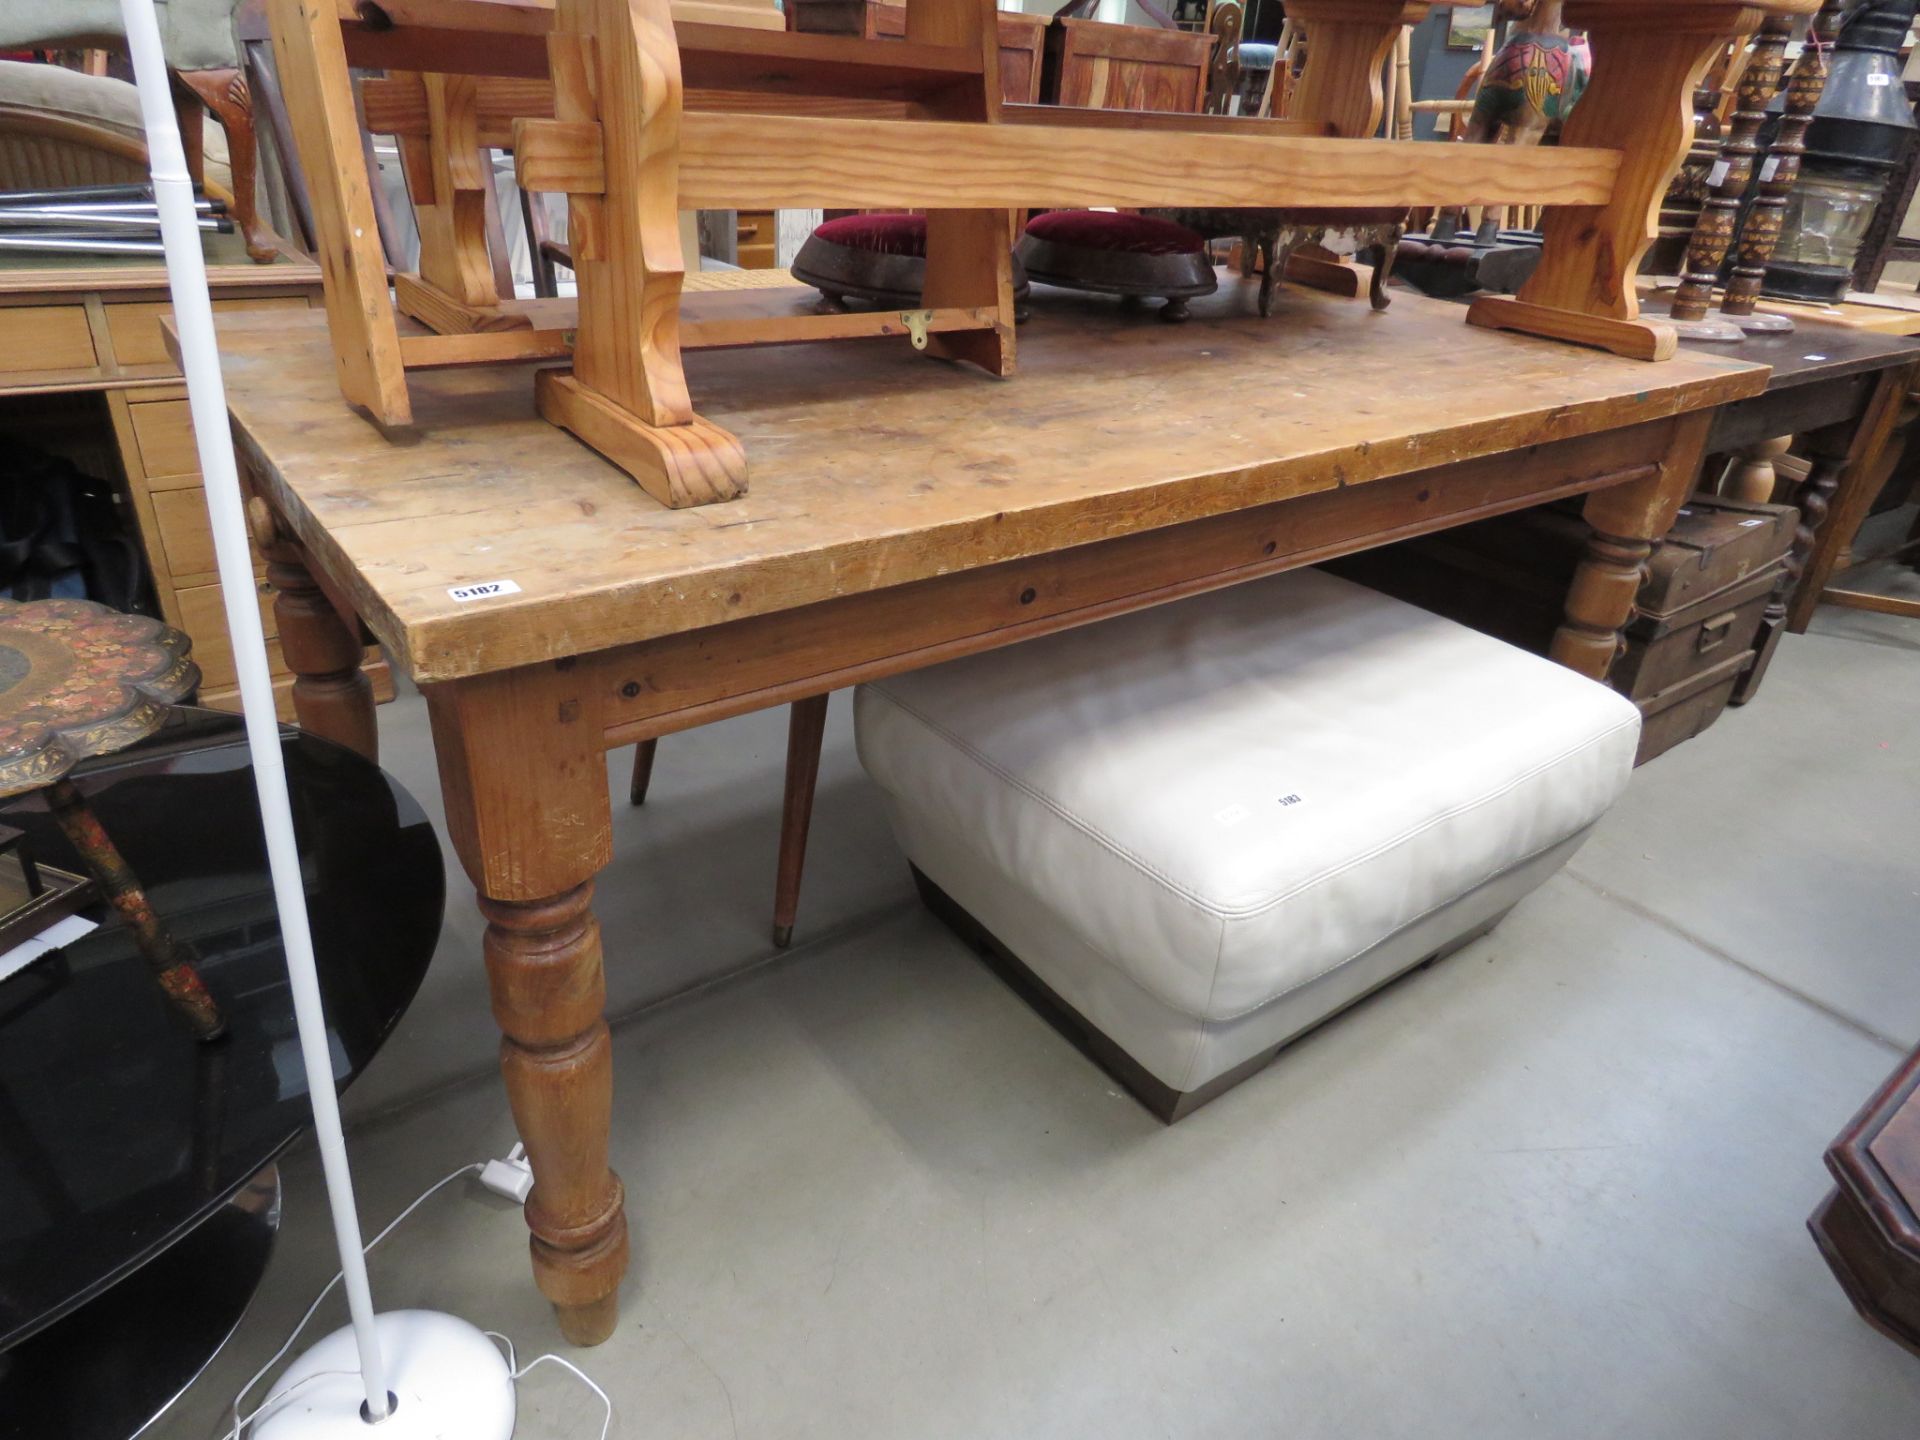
{"points": [[806, 724], [203, 65], [60, 128], [38, 150]]}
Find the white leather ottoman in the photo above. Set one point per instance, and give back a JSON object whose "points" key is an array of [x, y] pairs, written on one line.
{"points": [[1205, 828]]}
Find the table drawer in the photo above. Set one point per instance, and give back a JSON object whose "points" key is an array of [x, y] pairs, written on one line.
{"points": [[203, 616], [45, 337], [186, 536], [163, 432], [134, 327]]}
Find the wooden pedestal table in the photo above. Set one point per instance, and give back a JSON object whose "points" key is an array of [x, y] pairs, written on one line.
{"points": [[79, 680], [905, 514], [1841, 392]]}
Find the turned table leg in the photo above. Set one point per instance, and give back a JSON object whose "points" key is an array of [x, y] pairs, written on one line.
{"points": [[1627, 520], [331, 694], [523, 770], [1755, 472], [549, 997]]}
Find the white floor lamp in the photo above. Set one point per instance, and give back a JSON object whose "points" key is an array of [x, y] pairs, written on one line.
{"points": [[409, 1373]]}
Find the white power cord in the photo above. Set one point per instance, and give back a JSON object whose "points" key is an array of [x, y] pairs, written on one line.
{"points": [[585, 1379], [501, 1176]]}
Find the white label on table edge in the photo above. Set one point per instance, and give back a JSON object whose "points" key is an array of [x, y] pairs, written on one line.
{"points": [[483, 590]]}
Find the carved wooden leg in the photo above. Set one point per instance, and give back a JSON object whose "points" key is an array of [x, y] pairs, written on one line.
{"points": [[523, 769], [1627, 521], [225, 94], [806, 723], [643, 754], [1754, 476], [1812, 497], [1852, 463], [331, 694]]}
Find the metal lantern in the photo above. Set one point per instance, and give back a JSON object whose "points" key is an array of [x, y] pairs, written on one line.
{"points": [[1859, 137]]}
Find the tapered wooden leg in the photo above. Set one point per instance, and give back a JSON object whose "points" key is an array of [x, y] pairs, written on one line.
{"points": [[331, 694], [1627, 521], [523, 771], [643, 754], [806, 723]]}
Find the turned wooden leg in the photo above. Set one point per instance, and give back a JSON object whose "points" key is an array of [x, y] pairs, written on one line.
{"points": [[225, 94], [523, 771], [170, 961], [806, 723], [1754, 475], [1600, 603], [332, 696], [643, 754], [549, 995], [1627, 521], [1851, 465]]}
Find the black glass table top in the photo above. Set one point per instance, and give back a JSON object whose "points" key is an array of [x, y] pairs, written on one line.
{"points": [[118, 1131]]}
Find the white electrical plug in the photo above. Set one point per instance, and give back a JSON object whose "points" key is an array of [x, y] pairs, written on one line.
{"points": [[511, 1177]]}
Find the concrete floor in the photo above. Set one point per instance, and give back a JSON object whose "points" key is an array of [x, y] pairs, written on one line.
{"points": [[1555, 1186]]}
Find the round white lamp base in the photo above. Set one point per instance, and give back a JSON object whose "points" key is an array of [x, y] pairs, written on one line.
{"points": [[446, 1379]]}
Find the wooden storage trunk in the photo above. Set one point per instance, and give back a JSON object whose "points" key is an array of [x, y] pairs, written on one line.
{"points": [[1697, 620]]}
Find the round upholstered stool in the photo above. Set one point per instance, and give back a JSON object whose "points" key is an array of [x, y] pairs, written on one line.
{"points": [[1108, 254], [77, 680], [881, 259]]}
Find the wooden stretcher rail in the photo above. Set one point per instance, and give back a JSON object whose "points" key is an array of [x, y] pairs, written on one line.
{"points": [[722, 328], [725, 162]]}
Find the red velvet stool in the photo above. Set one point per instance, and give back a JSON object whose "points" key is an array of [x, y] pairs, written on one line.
{"points": [[878, 258], [1111, 254]]}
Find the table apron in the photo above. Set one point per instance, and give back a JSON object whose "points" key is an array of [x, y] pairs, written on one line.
{"points": [[681, 681], [1795, 411]]}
